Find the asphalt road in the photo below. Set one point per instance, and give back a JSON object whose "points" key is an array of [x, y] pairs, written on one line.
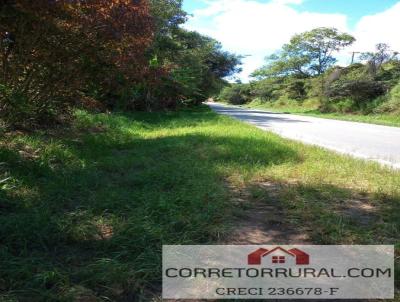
{"points": [[367, 141]]}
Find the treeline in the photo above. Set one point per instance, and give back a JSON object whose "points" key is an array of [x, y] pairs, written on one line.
{"points": [[102, 54], [304, 70]]}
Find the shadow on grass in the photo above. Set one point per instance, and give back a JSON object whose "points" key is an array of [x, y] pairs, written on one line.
{"points": [[327, 215], [87, 217], [335, 215]]}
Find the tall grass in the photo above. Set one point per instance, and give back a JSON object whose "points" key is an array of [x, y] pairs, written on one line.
{"points": [[84, 211]]}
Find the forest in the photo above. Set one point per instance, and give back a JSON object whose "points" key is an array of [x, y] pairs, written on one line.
{"points": [[101, 55]]}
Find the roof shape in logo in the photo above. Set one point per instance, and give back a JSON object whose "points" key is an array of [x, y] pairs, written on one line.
{"points": [[255, 258]]}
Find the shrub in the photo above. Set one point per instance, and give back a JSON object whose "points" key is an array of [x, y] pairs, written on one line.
{"points": [[314, 87], [393, 104], [390, 73], [354, 72], [53, 52], [236, 94], [296, 89], [395, 93], [359, 91], [268, 89], [38, 64], [342, 106]]}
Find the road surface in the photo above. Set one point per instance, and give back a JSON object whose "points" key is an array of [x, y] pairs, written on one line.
{"points": [[367, 141]]}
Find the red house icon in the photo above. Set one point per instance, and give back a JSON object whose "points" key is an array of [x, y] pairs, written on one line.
{"points": [[301, 257]]}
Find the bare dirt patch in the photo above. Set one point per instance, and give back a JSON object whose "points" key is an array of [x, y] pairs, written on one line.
{"points": [[263, 220]]}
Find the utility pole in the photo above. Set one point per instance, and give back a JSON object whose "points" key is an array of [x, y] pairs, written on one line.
{"points": [[353, 56]]}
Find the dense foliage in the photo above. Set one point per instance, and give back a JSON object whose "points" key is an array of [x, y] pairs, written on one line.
{"points": [[237, 94], [304, 71], [123, 54]]}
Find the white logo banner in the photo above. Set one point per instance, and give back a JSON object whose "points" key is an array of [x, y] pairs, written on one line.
{"points": [[278, 272]]}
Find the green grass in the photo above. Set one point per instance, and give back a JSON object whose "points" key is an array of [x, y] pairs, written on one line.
{"points": [[84, 211], [310, 108]]}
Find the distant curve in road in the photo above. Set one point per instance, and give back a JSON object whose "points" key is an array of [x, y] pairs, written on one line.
{"points": [[366, 141]]}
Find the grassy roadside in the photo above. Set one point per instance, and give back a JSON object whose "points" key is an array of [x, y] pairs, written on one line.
{"points": [[310, 108], [84, 211]]}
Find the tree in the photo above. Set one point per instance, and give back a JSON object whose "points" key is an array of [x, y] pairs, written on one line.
{"points": [[236, 94], [195, 64], [167, 15], [378, 58], [307, 54], [123, 54], [198, 65], [284, 63], [53, 52]]}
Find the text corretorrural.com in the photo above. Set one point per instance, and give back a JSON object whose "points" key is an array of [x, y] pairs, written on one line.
{"points": [[278, 272]]}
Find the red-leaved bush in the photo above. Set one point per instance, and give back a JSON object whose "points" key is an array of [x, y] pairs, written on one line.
{"points": [[54, 52]]}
